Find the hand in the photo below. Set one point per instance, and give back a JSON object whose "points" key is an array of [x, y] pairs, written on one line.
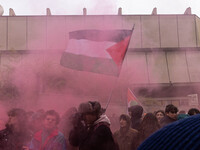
{"points": [[25, 148]]}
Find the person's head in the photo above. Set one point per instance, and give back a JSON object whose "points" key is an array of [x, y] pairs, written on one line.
{"points": [[193, 111], [51, 119], [149, 125], [136, 111], [17, 119], [124, 121], [171, 111], [159, 114], [90, 111]]}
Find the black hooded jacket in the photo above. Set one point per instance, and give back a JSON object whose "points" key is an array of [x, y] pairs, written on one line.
{"points": [[96, 137], [136, 116]]}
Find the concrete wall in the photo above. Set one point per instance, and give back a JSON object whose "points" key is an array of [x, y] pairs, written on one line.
{"points": [[162, 67], [42, 32], [50, 33]]}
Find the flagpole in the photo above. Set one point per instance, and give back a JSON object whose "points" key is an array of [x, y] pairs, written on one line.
{"points": [[111, 93]]}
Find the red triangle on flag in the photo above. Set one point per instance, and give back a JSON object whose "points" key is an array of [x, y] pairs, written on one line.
{"points": [[118, 51]]}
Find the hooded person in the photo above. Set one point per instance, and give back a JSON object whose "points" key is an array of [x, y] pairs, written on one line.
{"points": [[136, 112], [126, 137], [95, 134]]}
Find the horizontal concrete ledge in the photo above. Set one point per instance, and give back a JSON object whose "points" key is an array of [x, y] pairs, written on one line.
{"points": [[163, 49], [129, 50], [30, 51], [111, 15], [165, 84]]}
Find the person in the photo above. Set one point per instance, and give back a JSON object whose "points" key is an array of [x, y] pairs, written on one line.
{"points": [[179, 135], [193, 111], [159, 115], [16, 133], [92, 131], [126, 137], [136, 112], [182, 115], [49, 138], [149, 125], [170, 115]]}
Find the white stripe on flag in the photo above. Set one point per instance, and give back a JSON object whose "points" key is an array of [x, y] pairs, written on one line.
{"points": [[89, 48]]}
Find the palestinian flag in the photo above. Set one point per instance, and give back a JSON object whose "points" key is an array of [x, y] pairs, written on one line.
{"points": [[98, 51]]}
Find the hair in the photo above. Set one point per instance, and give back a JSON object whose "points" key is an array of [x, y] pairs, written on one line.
{"points": [[148, 126], [19, 113], [193, 111], [159, 111], [126, 118], [52, 113], [21, 117], [171, 108]]}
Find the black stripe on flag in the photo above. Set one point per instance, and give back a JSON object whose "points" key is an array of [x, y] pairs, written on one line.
{"points": [[100, 35]]}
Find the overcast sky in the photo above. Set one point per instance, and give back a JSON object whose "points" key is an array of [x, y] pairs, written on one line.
{"points": [[99, 7]]}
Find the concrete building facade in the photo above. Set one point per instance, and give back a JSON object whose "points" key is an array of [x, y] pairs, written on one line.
{"points": [[161, 65]]}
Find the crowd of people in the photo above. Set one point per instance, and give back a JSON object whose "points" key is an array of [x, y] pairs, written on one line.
{"points": [[85, 128]]}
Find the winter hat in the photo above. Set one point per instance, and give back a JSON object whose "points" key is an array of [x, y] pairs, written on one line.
{"points": [[91, 107], [180, 135]]}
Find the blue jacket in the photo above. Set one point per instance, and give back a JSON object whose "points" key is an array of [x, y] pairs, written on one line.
{"points": [[54, 141]]}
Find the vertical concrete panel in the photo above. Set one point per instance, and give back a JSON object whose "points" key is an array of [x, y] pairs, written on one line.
{"points": [[177, 64], [94, 22], [56, 33], [186, 31], [136, 68], [198, 30], [3, 33], [157, 67], [168, 31], [112, 22], [17, 33], [193, 59], [74, 23], [36, 33], [150, 32], [128, 22]]}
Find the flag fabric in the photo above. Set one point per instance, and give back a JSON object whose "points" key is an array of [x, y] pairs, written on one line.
{"points": [[98, 51], [131, 99]]}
